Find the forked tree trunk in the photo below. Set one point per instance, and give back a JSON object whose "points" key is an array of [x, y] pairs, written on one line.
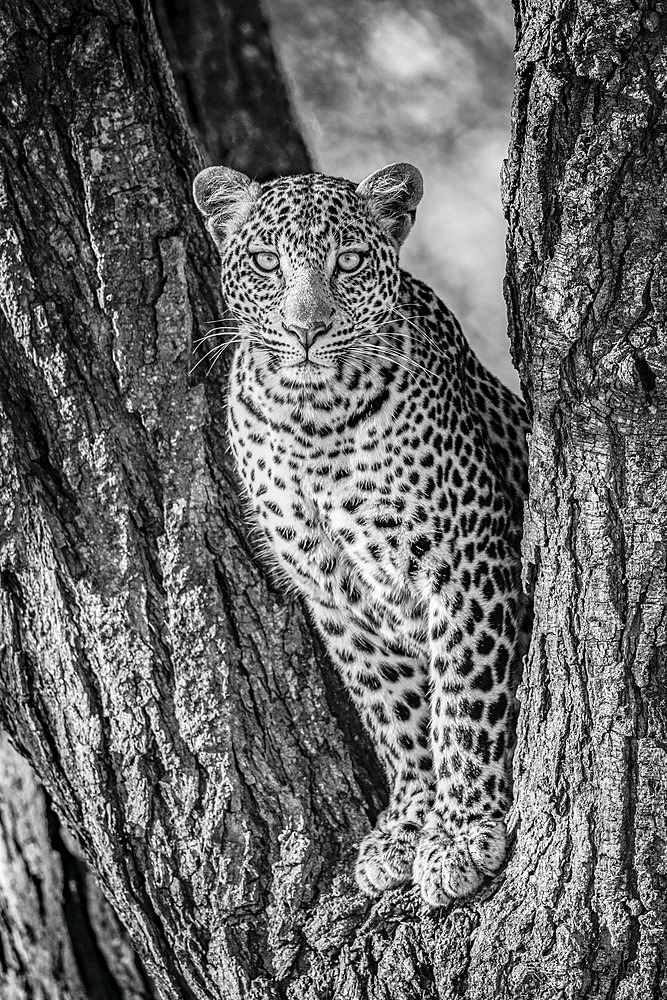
{"points": [[170, 699], [59, 936]]}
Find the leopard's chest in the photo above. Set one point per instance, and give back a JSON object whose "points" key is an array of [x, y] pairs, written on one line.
{"points": [[330, 516]]}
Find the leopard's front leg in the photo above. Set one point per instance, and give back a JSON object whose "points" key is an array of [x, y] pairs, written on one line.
{"points": [[390, 693], [474, 641], [386, 855]]}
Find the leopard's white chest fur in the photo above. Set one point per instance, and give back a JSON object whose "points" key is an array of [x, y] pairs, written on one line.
{"points": [[328, 513]]}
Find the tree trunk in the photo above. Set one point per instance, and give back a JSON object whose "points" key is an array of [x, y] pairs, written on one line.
{"points": [[582, 911], [233, 92], [171, 699], [60, 936]]}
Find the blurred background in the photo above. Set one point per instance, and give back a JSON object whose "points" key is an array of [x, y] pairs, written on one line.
{"points": [[429, 81]]}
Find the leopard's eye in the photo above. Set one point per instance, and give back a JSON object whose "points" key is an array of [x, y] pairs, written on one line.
{"points": [[265, 261], [349, 261]]}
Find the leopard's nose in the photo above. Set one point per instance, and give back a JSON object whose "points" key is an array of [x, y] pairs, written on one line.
{"points": [[308, 334]]}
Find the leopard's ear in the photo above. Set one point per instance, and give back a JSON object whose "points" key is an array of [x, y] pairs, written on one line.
{"points": [[225, 198], [393, 194]]}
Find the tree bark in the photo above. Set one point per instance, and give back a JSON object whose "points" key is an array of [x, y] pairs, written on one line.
{"points": [[61, 937], [229, 81], [171, 699]]}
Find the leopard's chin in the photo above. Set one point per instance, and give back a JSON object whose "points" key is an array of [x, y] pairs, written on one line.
{"points": [[306, 373]]}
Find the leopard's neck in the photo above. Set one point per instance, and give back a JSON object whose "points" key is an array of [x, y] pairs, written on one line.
{"points": [[368, 381]]}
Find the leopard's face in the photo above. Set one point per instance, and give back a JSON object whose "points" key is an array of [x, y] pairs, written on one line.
{"points": [[310, 267], [310, 277]]}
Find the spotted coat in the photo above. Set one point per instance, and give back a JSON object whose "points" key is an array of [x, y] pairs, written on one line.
{"points": [[385, 468]]}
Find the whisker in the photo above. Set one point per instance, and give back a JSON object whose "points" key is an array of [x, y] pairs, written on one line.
{"points": [[218, 347], [200, 340], [383, 336], [213, 363], [385, 310], [390, 348], [405, 357], [418, 329], [237, 333], [222, 348], [249, 339], [367, 364], [219, 319], [391, 361], [407, 319], [420, 337]]}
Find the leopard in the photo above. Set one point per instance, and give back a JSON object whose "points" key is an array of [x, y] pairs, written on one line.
{"points": [[385, 470]]}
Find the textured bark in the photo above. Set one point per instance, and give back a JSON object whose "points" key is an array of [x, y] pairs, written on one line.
{"points": [[171, 699], [233, 92], [59, 937], [583, 902]]}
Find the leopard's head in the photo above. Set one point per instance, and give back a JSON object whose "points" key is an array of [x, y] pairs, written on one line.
{"points": [[310, 263]]}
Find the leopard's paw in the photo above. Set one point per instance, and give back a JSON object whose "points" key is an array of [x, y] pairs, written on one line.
{"points": [[386, 858], [450, 865]]}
